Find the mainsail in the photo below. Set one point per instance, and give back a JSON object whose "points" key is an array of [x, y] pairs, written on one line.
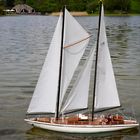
{"points": [[74, 43], [106, 95]]}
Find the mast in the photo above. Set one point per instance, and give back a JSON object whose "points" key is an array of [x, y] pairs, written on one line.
{"points": [[60, 67], [96, 60]]}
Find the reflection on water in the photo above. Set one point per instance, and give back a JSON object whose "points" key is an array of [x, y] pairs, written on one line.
{"points": [[65, 136], [24, 41]]}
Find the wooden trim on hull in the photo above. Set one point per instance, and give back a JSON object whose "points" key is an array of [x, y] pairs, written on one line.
{"points": [[66, 128]]}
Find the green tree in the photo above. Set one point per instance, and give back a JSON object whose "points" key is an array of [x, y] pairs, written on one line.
{"points": [[9, 3], [92, 7], [2, 7], [81, 5], [19, 2], [135, 6], [122, 5]]}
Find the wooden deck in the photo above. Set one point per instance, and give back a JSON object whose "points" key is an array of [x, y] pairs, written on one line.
{"points": [[78, 121]]}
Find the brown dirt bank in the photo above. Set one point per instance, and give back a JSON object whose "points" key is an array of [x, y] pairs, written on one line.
{"points": [[72, 13]]}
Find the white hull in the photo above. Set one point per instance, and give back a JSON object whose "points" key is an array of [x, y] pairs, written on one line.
{"points": [[80, 128]]}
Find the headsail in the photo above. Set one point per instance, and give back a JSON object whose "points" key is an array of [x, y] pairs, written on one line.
{"points": [[78, 97], [106, 95], [75, 41], [45, 94]]}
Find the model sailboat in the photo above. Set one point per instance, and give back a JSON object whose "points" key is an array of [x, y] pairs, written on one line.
{"points": [[50, 96]]}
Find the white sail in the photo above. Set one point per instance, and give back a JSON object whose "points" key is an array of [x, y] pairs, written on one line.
{"points": [[75, 42], [45, 94], [78, 97], [106, 91]]}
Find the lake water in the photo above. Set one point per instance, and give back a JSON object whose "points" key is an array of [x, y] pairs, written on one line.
{"points": [[24, 41]]}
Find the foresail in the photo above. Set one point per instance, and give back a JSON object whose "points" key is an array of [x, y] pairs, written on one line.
{"points": [[106, 91], [78, 97], [45, 94], [75, 41]]}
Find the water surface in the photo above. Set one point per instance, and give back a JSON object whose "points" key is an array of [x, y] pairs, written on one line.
{"points": [[24, 42]]}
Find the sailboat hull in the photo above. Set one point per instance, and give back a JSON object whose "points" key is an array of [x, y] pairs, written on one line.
{"points": [[66, 128]]}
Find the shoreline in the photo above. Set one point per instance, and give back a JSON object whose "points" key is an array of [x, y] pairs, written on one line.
{"points": [[80, 14], [73, 13]]}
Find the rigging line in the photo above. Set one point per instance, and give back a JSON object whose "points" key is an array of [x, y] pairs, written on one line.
{"points": [[70, 45], [75, 53]]}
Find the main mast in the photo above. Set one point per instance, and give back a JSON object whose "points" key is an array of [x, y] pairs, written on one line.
{"points": [[96, 60], [60, 67]]}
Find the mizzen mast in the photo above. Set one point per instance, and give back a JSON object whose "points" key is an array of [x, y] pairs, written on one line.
{"points": [[96, 59]]}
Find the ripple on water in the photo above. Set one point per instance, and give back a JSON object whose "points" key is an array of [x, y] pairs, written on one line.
{"points": [[24, 42]]}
